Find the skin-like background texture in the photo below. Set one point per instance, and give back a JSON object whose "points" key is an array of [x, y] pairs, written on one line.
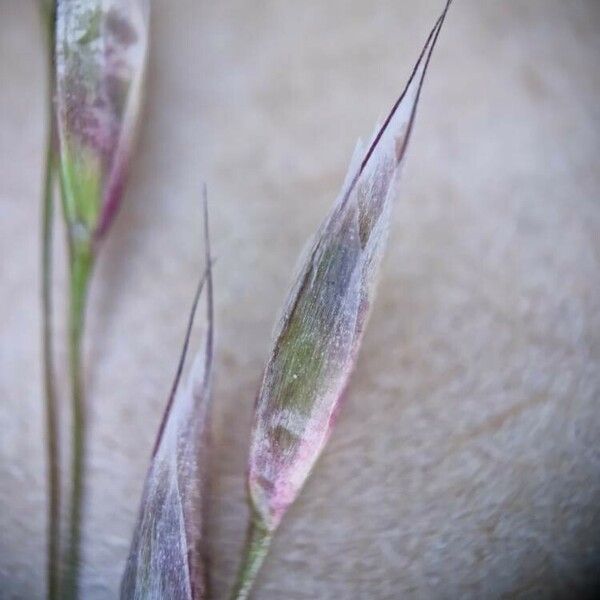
{"points": [[466, 462]]}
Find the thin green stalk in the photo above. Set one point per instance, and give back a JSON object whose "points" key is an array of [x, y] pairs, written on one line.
{"points": [[257, 546], [80, 271], [52, 429]]}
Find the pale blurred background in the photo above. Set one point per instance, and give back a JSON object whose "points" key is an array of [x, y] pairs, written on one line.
{"points": [[466, 463]]}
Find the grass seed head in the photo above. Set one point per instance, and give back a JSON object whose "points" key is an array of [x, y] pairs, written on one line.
{"points": [[100, 58]]}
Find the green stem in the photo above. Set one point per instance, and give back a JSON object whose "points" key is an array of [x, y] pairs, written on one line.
{"points": [[255, 551], [49, 387], [80, 271], [52, 430]]}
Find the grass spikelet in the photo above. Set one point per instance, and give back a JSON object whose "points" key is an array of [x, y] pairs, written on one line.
{"points": [[166, 558], [318, 338]]}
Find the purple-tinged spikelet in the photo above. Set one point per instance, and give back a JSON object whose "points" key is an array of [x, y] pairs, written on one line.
{"points": [[101, 48], [319, 335], [318, 338], [99, 58], [166, 559]]}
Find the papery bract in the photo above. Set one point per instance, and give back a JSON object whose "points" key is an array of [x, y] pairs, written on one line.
{"points": [[320, 332], [99, 63], [101, 50], [166, 559]]}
